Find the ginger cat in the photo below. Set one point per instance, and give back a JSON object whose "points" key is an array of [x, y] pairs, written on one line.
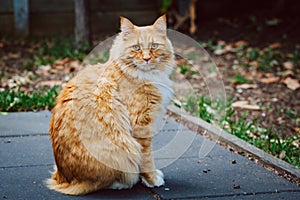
{"points": [[104, 118]]}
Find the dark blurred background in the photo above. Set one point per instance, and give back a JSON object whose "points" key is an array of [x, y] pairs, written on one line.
{"points": [[53, 17]]}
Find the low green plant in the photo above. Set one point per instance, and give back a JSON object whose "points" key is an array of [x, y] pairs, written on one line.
{"points": [[269, 140], [16, 100], [58, 48], [186, 69], [164, 5], [199, 106], [239, 79], [286, 149], [265, 58], [295, 57], [210, 45]]}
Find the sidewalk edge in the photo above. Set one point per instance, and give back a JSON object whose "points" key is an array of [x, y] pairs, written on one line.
{"points": [[218, 134]]}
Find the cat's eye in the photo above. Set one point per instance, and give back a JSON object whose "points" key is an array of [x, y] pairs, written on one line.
{"points": [[154, 46], [136, 47]]}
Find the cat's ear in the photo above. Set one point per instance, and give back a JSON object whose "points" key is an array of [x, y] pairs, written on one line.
{"points": [[126, 26], [161, 25]]}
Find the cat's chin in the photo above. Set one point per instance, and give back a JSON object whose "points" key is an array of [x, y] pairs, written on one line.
{"points": [[145, 67]]}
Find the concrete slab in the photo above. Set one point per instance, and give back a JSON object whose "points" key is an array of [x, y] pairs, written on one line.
{"points": [[25, 151], [230, 140], [27, 183], [259, 196], [24, 123], [218, 177], [194, 167]]}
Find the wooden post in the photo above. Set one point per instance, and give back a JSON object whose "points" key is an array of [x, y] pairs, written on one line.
{"points": [[21, 17], [82, 28]]}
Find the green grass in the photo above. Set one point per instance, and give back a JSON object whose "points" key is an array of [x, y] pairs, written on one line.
{"points": [[16, 100], [269, 140], [187, 70], [264, 59], [239, 79], [57, 48]]}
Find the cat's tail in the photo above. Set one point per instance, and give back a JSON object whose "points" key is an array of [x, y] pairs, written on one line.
{"points": [[81, 188], [73, 188]]}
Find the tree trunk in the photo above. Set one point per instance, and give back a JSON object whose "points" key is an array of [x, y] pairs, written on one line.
{"points": [[82, 26]]}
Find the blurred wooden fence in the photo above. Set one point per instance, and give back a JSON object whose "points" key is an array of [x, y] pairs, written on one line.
{"points": [[54, 17]]}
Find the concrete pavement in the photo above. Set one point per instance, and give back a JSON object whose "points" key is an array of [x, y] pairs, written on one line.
{"points": [[26, 159]]}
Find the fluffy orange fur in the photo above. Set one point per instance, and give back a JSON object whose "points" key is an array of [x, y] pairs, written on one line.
{"points": [[104, 118]]}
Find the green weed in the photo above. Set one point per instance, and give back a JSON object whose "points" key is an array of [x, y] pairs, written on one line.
{"points": [[239, 79], [265, 59], [269, 140], [186, 69], [16, 100], [55, 49]]}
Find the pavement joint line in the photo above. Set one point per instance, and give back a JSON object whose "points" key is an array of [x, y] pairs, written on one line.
{"points": [[153, 193], [25, 135], [171, 130], [180, 158], [235, 194], [25, 166], [47, 134]]}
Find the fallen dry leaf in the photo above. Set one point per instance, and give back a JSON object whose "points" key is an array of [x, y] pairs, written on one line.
{"points": [[240, 43], [275, 45], [63, 61], [228, 48], [75, 64], [59, 67], [253, 63], [287, 73], [290, 55], [247, 86], [269, 80], [291, 83], [282, 154], [50, 83], [44, 70], [288, 65], [14, 55], [259, 74], [221, 42], [269, 75], [245, 105], [219, 52]]}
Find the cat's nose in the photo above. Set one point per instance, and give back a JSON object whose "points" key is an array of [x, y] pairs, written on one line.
{"points": [[146, 58]]}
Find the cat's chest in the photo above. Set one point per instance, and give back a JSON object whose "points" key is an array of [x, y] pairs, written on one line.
{"points": [[166, 91], [141, 93]]}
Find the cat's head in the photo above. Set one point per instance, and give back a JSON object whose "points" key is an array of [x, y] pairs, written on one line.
{"points": [[143, 49]]}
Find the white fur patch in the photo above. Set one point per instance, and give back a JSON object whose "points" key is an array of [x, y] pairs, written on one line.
{"points": [[119, 186], [159, 79], [158, 182]]}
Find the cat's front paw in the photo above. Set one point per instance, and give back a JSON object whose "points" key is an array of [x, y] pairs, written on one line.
{"points": [[153, 179]]}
